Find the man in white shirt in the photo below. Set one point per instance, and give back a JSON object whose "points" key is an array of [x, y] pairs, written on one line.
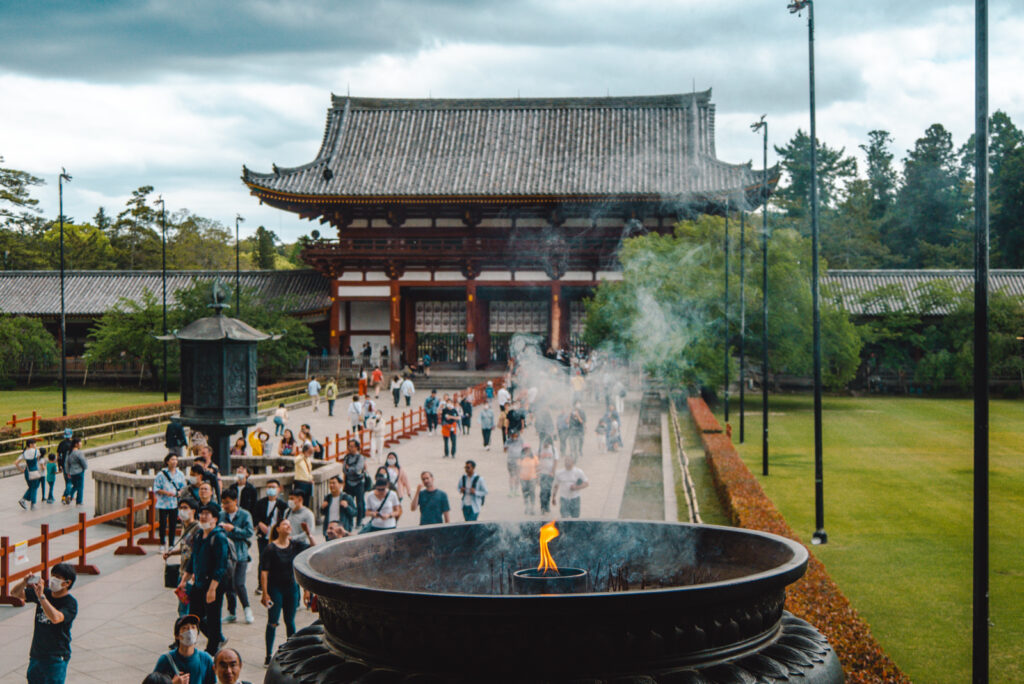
{"points": [[314, 393], [570, 480], [503, 397], [473, 491], [407, 390]]}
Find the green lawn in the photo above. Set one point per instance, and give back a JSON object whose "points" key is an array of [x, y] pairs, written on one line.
{"points": [[898, 492], [47, 401]]}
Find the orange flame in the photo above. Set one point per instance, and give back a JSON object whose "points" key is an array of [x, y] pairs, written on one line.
{"points": [[547, 533]]}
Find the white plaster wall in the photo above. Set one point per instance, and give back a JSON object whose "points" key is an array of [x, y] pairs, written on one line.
{"points": [[364, 291], [371, 316]]}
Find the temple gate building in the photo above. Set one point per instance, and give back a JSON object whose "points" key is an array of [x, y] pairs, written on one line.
{"points": [[459, 222]]}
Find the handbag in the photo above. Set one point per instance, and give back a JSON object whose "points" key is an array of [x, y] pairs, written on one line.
{"points": [[171, 573], [368, 526], [34, 474]]}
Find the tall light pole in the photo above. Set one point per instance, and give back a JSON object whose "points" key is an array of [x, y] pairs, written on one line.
{"points": [[819, 536], [743, 321], [61, 180], [238, 277], [725, 335], [763, 125], [979, 646], [163, 278]]}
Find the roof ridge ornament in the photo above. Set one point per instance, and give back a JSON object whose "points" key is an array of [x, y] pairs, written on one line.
{"points": [[219, 296]]}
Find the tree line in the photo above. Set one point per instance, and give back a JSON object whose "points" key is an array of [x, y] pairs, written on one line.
{"points": [[918, 216], [130, 240], [668, 313]]}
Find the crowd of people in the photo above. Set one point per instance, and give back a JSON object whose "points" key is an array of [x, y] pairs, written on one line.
{"points": [[208, 520]]}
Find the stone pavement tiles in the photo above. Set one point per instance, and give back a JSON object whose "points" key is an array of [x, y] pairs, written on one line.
{"points": [[126, 615]]}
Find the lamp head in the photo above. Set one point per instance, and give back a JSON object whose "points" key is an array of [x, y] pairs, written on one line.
{"points": [[759, 124], [797, 5], [64, 175]]}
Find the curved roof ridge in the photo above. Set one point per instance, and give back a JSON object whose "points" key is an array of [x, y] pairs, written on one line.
{"points": [[606, 102]]}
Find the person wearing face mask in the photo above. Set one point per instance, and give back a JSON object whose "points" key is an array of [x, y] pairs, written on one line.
{"points": [[375, 425], [208, 570], [449, 426], [396, 476], [245, 493], [301, 518], [189, 530], [55, 612], [269, 510], [185, 663]]}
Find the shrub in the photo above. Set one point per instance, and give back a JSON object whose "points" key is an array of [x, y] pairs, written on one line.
{"points": [[815, 597]]}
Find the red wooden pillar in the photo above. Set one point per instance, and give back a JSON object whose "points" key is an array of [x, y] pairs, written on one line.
{"points": [[409, 338], [335, 322], [396, 323], [556, 315], [471, 325]]}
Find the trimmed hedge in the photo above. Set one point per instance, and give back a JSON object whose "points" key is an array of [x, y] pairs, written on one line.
{"points": [[815, 597], [84, 420], [9, 432]]}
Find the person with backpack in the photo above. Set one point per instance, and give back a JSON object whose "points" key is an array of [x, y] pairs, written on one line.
{"points": [[467, 413], [209, 570], [168, 484], [28, 463], [63, 450], [474, 492], [185, 658], [430, 407], [331, 394], [174, 438]]}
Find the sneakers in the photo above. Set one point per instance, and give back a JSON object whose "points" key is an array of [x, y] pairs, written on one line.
{"points": [[258, 591], [23, 503], [266, 662], [229, 618], [49, 501], [249, 619]]}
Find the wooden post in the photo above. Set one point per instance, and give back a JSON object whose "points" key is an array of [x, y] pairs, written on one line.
{"points": [[130, 548], [44, 550], [151, 538], [555, 339], [83, 568], [5, 573], [471, 325], [395, 323], [335, 324]]}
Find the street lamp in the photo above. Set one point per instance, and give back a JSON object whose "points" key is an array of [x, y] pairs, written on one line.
{"points": [[819, 536], [757, 126], [980, 570], [743, 322], [238, 277], [163, 273], [61, 180], [725, 337]]}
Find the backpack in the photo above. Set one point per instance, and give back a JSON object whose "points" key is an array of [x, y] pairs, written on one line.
{"points": [[472, 485]]}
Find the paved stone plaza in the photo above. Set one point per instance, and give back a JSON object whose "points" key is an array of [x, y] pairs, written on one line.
{"points": [[125, 615]]}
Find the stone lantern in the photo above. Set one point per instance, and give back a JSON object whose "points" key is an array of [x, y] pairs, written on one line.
{"points": [[218, 376]]}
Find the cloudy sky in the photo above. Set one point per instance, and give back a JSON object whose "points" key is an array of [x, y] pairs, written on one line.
{"points": [[179, 94]]}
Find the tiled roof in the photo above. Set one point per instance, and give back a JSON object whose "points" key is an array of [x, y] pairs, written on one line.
{"points": [[91, 293], [851, 285], [660, 146]]}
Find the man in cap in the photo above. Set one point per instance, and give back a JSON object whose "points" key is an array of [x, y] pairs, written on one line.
{"points": [[208, 570], [185, 660], [51, 634], [63, 450]]}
